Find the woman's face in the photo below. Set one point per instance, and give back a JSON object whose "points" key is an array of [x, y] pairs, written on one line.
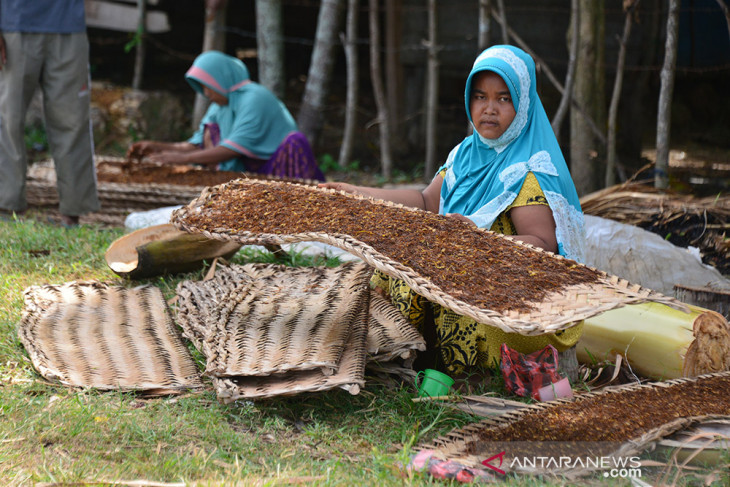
{"points": [[490, 104], [214, 96]]}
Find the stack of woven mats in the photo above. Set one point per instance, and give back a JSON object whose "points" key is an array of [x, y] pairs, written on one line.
{"points": [[265, 330], [269, 330], [125, 187]]}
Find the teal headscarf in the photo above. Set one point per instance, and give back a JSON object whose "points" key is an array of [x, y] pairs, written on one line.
{"points": [[484, 176], [253, 123]]}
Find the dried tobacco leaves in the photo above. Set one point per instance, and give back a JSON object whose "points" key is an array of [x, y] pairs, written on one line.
{"points": [[608, 419], [474, 266], [145, 173]]}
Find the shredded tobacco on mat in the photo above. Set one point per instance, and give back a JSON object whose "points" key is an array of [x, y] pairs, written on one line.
{"points": [[132, 172], [611, 417], [474, 266]]}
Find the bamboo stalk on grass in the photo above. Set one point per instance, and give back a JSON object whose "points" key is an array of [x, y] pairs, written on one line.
{"points": [[659, 342]]}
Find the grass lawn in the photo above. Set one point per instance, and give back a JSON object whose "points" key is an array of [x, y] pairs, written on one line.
{"points": [[53, 435]]}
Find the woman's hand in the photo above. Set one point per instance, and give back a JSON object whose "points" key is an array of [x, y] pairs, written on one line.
{"points": [[169, 157], [141, 149]]}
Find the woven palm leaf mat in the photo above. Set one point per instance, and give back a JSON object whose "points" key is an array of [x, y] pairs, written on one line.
{"points": [[270, 330], [125, 187], [614, 423], [476, 273], [202, 307], [90, 334], [390, 336]]}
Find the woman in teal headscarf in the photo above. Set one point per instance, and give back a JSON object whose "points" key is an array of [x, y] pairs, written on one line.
{"points": [[509, 176], [246, 127]]}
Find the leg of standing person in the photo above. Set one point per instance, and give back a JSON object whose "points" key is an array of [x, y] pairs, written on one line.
{"points": [[18, 82], [66, 105]]}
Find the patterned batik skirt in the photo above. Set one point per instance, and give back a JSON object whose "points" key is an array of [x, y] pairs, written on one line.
{"points": [[461, 341]]}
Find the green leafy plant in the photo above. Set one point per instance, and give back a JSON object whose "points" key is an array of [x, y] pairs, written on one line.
{"points": [[35, 137]]}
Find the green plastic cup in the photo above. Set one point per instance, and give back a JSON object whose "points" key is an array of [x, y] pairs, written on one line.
{"points": [[433, 383]]}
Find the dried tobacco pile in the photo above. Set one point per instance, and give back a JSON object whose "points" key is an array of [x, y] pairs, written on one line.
{"points": [[145, 173], [614, 417], [475, 266], [183, 176]]}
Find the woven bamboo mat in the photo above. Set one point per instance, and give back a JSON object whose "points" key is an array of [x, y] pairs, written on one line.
{"points": [[614, 423], [277, 320], [203, 305], [515, 287], [270, 330], [89, 334], [390, 336], [349, 376]]}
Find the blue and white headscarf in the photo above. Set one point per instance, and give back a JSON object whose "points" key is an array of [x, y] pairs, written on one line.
{"points": [[484, 176]]}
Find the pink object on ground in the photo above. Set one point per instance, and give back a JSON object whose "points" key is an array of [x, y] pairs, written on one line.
{"points": [[557, 390]]}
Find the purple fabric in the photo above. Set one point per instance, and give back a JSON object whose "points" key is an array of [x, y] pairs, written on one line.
{"points": [[214, 132], [293, 159]]}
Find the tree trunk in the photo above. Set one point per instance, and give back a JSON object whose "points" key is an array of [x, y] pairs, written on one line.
{"points": [[584, 150], [503, 21], [611, 159], [431, 92], [353, 85], [545, 69], [726, 11], [140, 48], [664, 114], [270, 45], [378, 91], [705, 297], [311, 113], [485, 27], [213, 39], [393, 70], [574, 37]]}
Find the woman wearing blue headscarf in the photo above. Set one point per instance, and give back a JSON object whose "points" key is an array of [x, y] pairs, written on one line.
{"points": [[508, 176], [246, 127]]}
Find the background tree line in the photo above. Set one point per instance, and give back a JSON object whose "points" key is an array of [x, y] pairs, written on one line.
{"points": [[397, 83]]}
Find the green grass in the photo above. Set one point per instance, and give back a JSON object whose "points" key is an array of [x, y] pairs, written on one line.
{"points": [[52, 434]]}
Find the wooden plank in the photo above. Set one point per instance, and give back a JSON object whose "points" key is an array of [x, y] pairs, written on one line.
{"points": [[114, 16]]}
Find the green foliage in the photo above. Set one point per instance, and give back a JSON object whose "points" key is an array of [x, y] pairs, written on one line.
{"points": [[35, 137], [135, 39], [327, 163]]}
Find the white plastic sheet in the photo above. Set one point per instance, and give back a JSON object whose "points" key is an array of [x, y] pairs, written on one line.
{"points": [[643, 257]]}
